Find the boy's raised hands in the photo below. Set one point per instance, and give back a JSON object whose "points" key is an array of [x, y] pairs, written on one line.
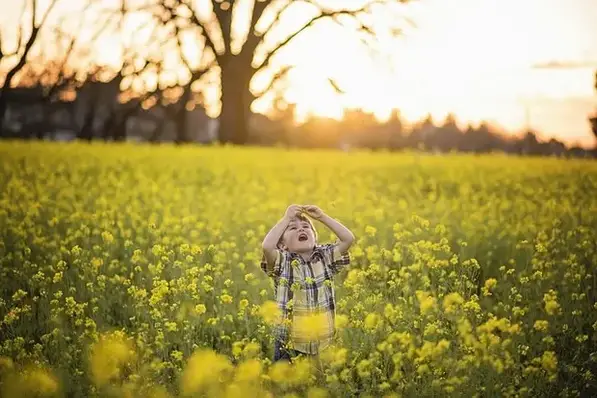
{"points": [[313, 211], [293, 211]]}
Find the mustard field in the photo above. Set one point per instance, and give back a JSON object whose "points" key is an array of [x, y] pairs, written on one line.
{"points": [[133, 271]]}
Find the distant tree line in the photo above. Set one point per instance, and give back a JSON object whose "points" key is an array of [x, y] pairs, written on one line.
{"points": [[360, 129], [97, 114], [45, 96]]}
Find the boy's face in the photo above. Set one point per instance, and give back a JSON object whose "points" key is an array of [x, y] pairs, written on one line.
{"points": [[298, 236]]}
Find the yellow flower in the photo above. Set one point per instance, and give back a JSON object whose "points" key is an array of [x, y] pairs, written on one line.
{"points": [[313, 326], [29, 382], [203, 369], [171, 326], [270, 312], [107, 237], [108, 356], [157, 392], [6, 364], [426, 302], [370, 230], [549, 361], [251, 350], [552, 307], [372, 321], [364, 368], [341, 321], [334, 356], [237, 348], [279, 372], [226, 299], [176, 355], [541, 325], [249, 370], [489, 285], [317, 392], [451, 302], [200, 309]]}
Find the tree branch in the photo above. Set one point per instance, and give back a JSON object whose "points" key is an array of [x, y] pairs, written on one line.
{"points": [[322, 15], [224, 19], [259, 7], [62, 79], [277, 77], [253, 38], [277, 18], [34, 33], [335, 86], [20, 32], [196, 73], [195, 20]]}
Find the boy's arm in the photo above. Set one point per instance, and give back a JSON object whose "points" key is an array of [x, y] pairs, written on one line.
{"points": [[270, 242], [345, 236]]}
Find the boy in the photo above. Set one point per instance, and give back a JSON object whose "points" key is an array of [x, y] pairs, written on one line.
{"points": [[303, 273]]}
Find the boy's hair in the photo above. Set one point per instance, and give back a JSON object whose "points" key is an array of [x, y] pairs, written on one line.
{"points": [[306, 219]]}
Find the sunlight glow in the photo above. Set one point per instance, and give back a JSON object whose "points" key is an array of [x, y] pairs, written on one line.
{"points": [[472, 58], [469, 57]]}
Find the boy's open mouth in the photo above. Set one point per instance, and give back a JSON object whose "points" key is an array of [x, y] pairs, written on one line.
{"points": [[303, 237]]}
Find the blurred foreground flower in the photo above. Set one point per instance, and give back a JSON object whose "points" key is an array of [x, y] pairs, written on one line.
{"points": [[311, 327], [29, 382], [270, 312], [109, 356], [205, 369]]}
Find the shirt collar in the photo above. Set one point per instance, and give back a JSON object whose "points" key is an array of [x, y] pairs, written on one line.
{"points": [[317, 249]]}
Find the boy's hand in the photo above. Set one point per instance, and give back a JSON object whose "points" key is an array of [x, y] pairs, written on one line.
{"points": [[313, 211], [292, 211]]}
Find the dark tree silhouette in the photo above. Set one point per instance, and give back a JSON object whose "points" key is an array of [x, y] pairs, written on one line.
{"points": [[395, 130], [238, 59], [447, 137], [593, 119], [23, 48]]}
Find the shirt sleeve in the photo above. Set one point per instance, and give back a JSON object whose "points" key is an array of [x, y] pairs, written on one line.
{"points": [[274, 269], [334, 260]]}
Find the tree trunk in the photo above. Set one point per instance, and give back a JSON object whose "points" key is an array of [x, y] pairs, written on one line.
{"points": [[182, 135], [3, 109], [181, 117], [119, 134], [236, 102], [86, 130]]}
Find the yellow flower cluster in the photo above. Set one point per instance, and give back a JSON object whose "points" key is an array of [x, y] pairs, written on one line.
{"points": [[131, 270]]}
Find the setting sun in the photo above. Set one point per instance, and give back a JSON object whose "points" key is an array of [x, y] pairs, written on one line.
{"points": [[471, 58]]}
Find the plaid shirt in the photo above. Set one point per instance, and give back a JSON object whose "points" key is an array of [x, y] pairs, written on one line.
{"points": [[302, 289]]}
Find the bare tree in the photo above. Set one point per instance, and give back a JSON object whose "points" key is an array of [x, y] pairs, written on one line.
{"points": [[239, 57], [107, 98], [23, 47], [51, 76]]}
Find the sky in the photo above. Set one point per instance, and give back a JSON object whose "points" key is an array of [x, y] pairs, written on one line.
{"points": [[474, 58]]}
